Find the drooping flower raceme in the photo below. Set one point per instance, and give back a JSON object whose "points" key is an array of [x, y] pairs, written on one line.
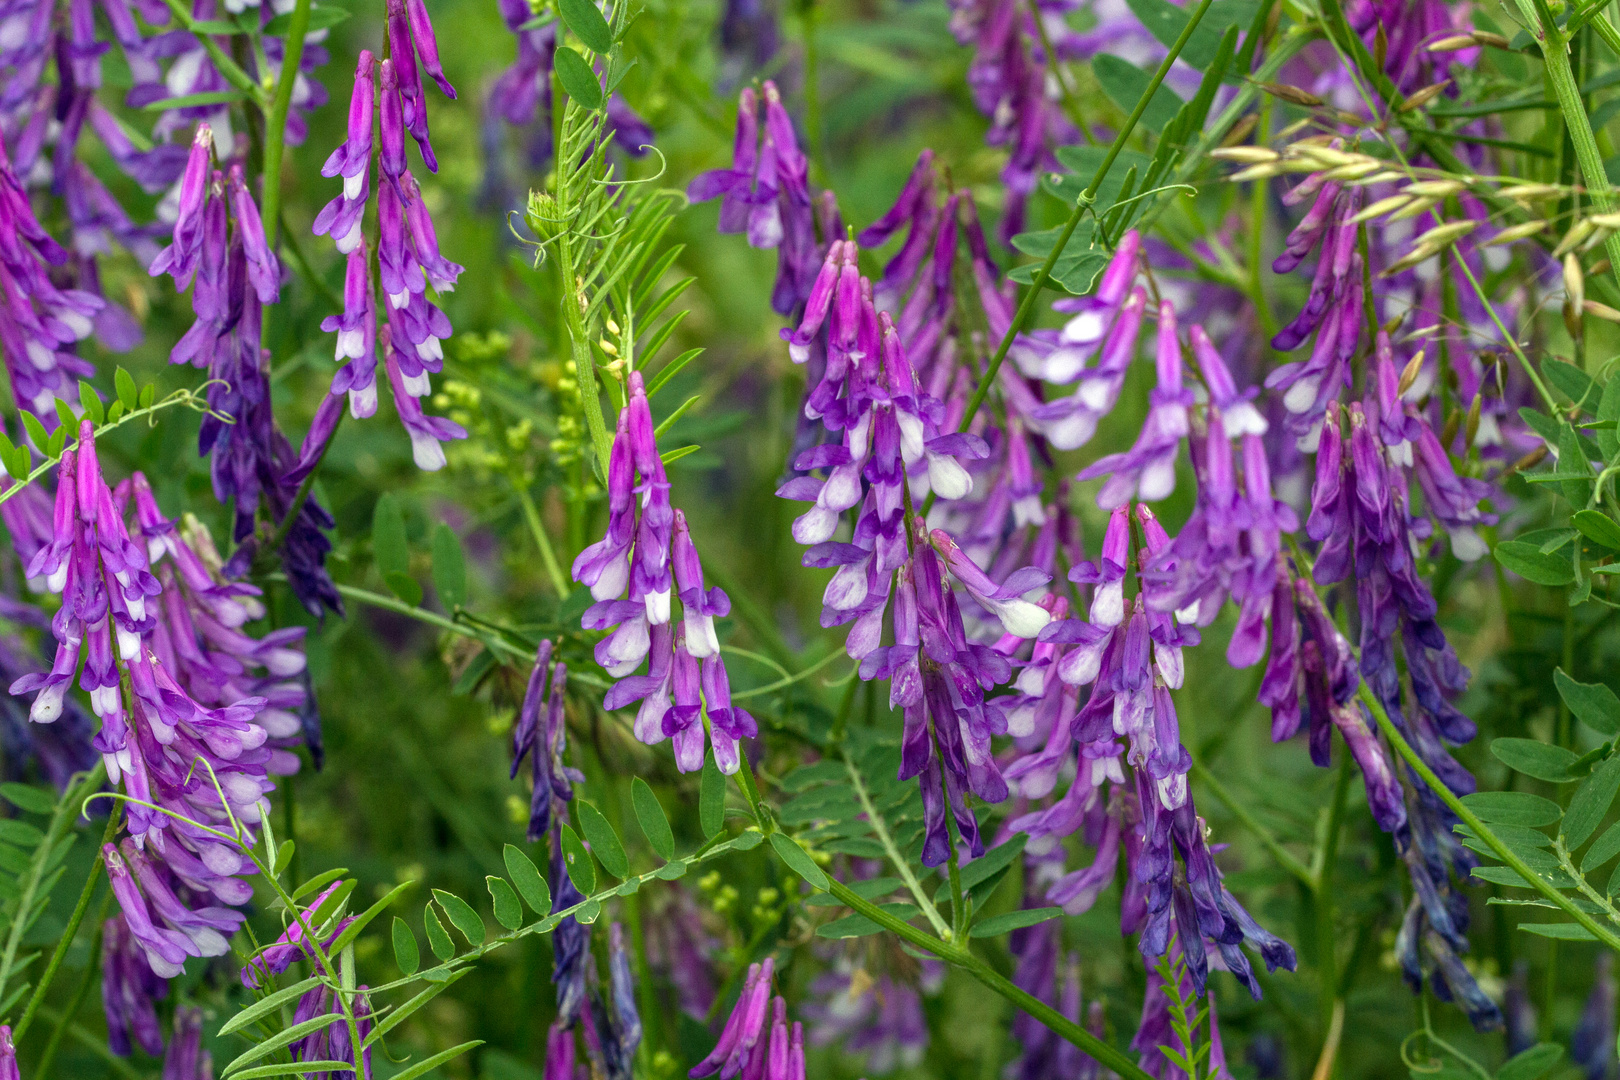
{"points": [[407, 247], [645, 561]]}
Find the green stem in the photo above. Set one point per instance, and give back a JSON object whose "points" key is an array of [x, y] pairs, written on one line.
{"points": [[301, 496], [1322, 865], [66, 811], [1577, 121], [531, 514], [1500, 850], [96, 1044], [901, 865], [1285, 858], [275, 135], [1082, 203]]}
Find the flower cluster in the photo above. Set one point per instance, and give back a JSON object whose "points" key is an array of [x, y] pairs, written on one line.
{"points": [[746, 1048], [646, 560], [542, 726], [407, 247]]}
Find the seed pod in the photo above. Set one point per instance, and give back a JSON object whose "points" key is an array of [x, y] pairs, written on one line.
{"points": [[1255, 172], [1572, 239], [1598, 268], [1449, 432], [1353, 171], [1247, 155], [1409, 375], [1574, 280], [1517, 232], [1454, 43], [1291, 94], [1449, 233], [1416, 207], [1601, 311], [1522, 192], [1380, 208], [1241, 130], [1530, 460], [1384, 176], [1422, 97], [1323, 155], [1439, 189], [1471, 427], [1486, 37], [1608, 222]]}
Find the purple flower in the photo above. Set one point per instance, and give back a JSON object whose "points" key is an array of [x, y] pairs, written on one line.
{"points": [[1148, 469], [334, 1041], [341, 218], [186, 1059], [8, 1055], [294, 943], [746, 1046], [543, 727], [130, 991], [1591, 1044]]}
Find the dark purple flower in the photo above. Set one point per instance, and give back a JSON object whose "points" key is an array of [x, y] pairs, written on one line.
{"points": [[130, 991], [186, 1059], [1591, 1044]]}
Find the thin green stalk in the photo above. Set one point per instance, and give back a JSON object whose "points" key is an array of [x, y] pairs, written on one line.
{"points": [[66, 812], [1500, 850], [901, 865], [1577, 121], [79, 994], [1285, 858], [301, 496], [96, 1044], [1082, 204], [531, 514], [1322, 865], [275, 135], [812, 89]]}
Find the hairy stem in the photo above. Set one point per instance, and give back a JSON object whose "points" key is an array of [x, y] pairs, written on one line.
{"points": [[275, 135]]}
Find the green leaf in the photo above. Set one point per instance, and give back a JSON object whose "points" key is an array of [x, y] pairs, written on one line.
{"points": [[671, 369], [1571, 381], [36, 430], [673, 870], [1604, 848], [275, 1042], [388, 544], [822, 772], [1593, 704], [1532, 1063], [187, 101], [284, 855], [585, 19], [1534, 565], [27, 798], [364, 919], [850, 926], [115, 411], [467, 920], [1165, 21], [292, 1068], [1591, 803], [711, 798], [1126, 83], [508, 912], [438, 938], [577, 78], [317, 883], [1608, 409], [468, 680], [1512, 808], [148, 395], [442, 981], [1558, 931], [1599, 528], [421, 1068], [64, 414], [406, 955], [1534, 758], [90, 401], [405, 587], [654, 822], [58, 439], [1013, 920], [1572, 459], [449, 567], [531, 884], [269, 1003], [799, 861], [321, 17], [124, 384], [605, 843], [19, 832], [577, 861]]}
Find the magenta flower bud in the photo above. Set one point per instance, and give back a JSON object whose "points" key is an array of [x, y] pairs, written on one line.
{"points": [[699, 607], [683, 723], [352, 159], [1238, 413], [728, 724], [1121, 271], [263, 268], [356, 327], [392, 124], [427, 432], [441, 272], [427, 46], [179, 259]]}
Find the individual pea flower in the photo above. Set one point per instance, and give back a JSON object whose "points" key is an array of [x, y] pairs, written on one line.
{"points": [[411, 38], [1070, 422], [162, 926], [56, 751], [130, 990], [1148, 469], [1046, 1055], [571, 941], [561, 1063], [341, 218], [186, 1059], [8, 1055]]}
